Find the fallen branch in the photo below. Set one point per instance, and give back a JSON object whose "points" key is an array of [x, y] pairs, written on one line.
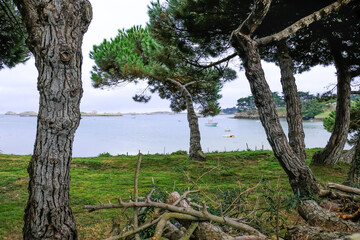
{"points": [[344, 188], [189, 211], [190, 231], [166, 217], [134, 231]]}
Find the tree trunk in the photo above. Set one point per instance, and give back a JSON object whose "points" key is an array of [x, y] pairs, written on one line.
{"points": [[320, 217], [348, 156], [353, 176], [332, 152], [56, 30], [300, 176], [293, 106], [195, 150]]}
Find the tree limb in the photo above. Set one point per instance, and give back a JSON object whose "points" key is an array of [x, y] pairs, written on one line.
{"points": [[253, 21], [355, 73], [213, 63], [344, 188], [184, 196], [190, 231], [132, 232], [166, 216], [304, 22], [189, 211]]}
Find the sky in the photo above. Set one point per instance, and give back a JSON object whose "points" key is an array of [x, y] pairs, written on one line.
{"points": [[18, 90]]}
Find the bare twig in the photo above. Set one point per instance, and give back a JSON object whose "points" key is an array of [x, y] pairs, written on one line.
{"points": [[136, 195], [134, 231], [184, 196], [246, 191]]}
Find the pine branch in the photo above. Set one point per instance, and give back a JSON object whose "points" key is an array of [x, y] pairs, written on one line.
{"points": [[304, 22], [213, 63]]}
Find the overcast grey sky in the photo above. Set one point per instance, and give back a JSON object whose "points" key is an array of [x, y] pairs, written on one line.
{"points": [[18, 90]]}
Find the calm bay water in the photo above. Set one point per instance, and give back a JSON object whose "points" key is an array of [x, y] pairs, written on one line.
{"points": [[157, 133]]}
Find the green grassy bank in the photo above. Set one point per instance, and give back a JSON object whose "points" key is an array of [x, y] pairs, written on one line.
{"points": [[107, 177]]}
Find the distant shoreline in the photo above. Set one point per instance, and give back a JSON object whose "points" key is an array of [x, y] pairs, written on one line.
{"points": [[93, 114]]}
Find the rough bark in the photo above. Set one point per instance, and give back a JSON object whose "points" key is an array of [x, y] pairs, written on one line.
{"points": [[296, 133], [318, 216], [332, 152], [195, 150], [300, 176], [56, 30], [348, 156], [353, 176], [312, 233]]}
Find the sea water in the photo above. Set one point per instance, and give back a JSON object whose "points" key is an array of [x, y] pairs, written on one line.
{"points": [[156, 133]]}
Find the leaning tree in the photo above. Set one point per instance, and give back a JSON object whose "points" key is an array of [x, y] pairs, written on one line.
{"points": [[135, 55], [55, 31], [209, 23], [247, 43], [353, 176]]}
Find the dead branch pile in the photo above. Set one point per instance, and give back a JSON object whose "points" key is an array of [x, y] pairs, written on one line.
{"points": [[195, 220]]}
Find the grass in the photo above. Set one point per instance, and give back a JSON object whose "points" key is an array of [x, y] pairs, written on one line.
{"points": [[324, 114], [107, 177]]}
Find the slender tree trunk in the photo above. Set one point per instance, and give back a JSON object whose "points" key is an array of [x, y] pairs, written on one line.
{"points": [[353, 176], [293, 106], [332, 152], [56, 30], [195, 150], [300, 175]]}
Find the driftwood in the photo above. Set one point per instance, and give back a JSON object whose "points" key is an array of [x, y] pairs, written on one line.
{"points": [[198, 222]]}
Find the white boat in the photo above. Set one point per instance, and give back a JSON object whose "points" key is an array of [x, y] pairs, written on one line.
{"points": [[210, 123], [227, 129]]}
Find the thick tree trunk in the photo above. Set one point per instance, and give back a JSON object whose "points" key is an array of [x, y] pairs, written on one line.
{"points": [[300, 176], [56, 30], [195, 150], [332, 152], [353, 176], [293, 106]]}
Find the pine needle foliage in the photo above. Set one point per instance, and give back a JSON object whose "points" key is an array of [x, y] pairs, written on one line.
{"points": [[13, 49], [135, 55]]}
